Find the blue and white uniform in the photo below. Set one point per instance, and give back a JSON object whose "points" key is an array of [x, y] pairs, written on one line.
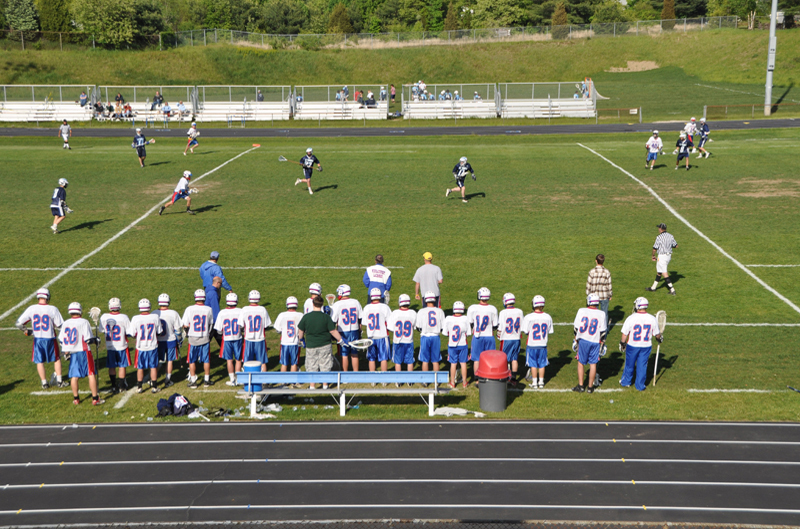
{"points": [[254, 320], [58, 204], [590, 323], [378, 276], [508, 331], [430, 322], [308, 162], [654, 146], [227, 326], [704, 131], [401, 325], [146, 328], [286, 324], [460, 172], [537, 325], [76, 333], [375, 318], [684, 147], [44, 321], [346, 313], [640, 328], [168, 339], [483, 319], [139, 143], [198, 320], [116, 326], [457, 328]]}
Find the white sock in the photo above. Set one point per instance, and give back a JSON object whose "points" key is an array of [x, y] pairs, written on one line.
{"points": [[169, 375], [58, 379], [655, 285], [535, 381], [231, 376], [205, 378]]}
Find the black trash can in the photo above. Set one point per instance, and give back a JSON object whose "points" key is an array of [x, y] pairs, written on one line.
{"points": [[493, 373]]}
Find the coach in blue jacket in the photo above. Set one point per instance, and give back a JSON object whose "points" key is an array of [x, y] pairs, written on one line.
{"points": [[208, 271]]}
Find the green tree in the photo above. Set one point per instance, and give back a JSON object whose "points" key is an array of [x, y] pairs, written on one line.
{"points": [[609, 11], [339, 21], [451, 20], [435, 15], [149, 17], [54, 15], [559, 22], [21, 15], [498, 13], [284, 17], [317, 16], [218, 14], [668, 14], [110, 21]]}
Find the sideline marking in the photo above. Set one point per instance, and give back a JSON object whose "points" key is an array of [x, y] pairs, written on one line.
{"points": [[772, 266], [698, 232], [193, 268], [114, 238], [124, 400]]}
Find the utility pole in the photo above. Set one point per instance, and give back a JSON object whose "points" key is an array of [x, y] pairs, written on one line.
{"points": [[773, 43]]}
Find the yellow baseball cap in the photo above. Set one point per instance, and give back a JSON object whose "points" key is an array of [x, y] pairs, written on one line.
{"points": [[428, 256]]}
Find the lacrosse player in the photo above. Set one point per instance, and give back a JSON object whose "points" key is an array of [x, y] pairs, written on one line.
{"points": [[227, 326], [171, 337], [197, 320], [590, 336], [457, 328], [508, 331], [460, 174], [286, 324], [682, 149], [691, 129], [146, 327], [65, 131], [140, 143], [254, 320], [401, 323], [44, 319], [58, 204], [704, 132], [75, 337], [191, 142], [378, 276], [375, 318], [653, 146], [116, 325], [537, 325], [182, 190], [637, 332], [346, 313], [314, 289], [483, 318], [308, 162], [430, 323]]}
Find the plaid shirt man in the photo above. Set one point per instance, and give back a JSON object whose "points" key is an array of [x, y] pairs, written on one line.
{"points": [[599, 282]]}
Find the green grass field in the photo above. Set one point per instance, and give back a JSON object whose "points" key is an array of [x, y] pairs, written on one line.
{"points": [[539, 212]]}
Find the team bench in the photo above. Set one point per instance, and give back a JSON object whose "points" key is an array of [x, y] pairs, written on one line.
{"points": [[342, 381]]}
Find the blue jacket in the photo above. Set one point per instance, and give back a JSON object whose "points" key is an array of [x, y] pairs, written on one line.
{"points": [[208, 271], [378, 276]]}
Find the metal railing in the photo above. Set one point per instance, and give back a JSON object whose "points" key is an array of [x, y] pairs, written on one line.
{"points": [[237, 93], [329, 93], [146, 93], [37, 92], [471, 91], [781, 110]]}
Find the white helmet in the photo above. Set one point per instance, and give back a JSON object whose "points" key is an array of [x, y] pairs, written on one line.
{"points": [[683, 134], [194, 124], [538, 301], [484, 294], [404, 300], [144, 305], [592, 299], [232, 299], [343, 290], [63, 182], [641, 303], [138, 129], [463, 160], [702, 120], [315, 288], [75, 308], [509, 299], [163, 299], [458, 307], [199, 294], [187, 174], [291, 302], [429, 297], [375, 293], [43, 293], [655, 133], [254, 296], [309, 150], [114, 304]]}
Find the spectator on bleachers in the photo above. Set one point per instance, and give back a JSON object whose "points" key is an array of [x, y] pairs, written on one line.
{"points": [[117, 110], [382, 93], [447, 95], [260, 97], [180, 110], [167, 110], [392, 92], [98, 110], [339, 95], [345, 92], [422, 85], [441, 96], [477, 97], [299, 98], [158, 100], [119, 98], [127, 111], [83, 99], [109, 110], [358, 97], [577, 95], [370, 101], [457, 96]]}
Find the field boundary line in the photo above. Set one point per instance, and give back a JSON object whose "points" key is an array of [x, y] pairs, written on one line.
{"points": [[193, 268], [698, 232], [771, 266], [115, 237]]}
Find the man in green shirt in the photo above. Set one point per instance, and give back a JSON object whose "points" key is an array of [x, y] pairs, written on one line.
{"points": [[316, 328]]}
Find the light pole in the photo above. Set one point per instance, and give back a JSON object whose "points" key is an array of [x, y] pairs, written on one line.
{"points": [[773, 43]]}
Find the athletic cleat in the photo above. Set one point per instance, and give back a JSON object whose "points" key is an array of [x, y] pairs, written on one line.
{"points": [[161, 210], [578, 389], [708, 154], [651, 168], [140, 390], [184, 153], [297, 181], [154, 389], [447, 193], [230, 383], [324, 386], [676, 167], [45, 385], [590, 390], [169, 383], [190, 212], [672, 293], [63, 384], [208, 383], [541, 384], [373, 384], [98, 402], [701, 155], [76, 401], [192, 384], [464, 200], [648, 289], [310, 192]]}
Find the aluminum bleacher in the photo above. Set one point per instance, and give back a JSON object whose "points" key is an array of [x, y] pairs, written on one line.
{"points": [[243, 103], [547, 100], [450, 101], [335, 103], [32, 103]]}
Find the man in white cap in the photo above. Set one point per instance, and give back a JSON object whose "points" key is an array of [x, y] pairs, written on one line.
{"points": [[375, 318], [58, 204], [308, 162], [45, 319], [653, 146], [508, 332], [637, 332], [691, 129], [146, 327], [191, 141], [538, 325], [401, 325], [590, 335], [704, 131], [76, 336], [427, 278], [198, 320]]}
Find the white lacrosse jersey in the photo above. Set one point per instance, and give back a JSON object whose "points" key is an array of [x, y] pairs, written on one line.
{"points": [[227, 324], [483, 318], [286, 324], [44, 320], [456, 328], [590, 323], [74, 334], [171, 324], [198, 320], [654, 144], [537, 325], [690, 129], [193, 133], [346, 313], [308, 306], [401, 324], [509, 324], [375, 318], [253, 321], [430, 321], [115, 327], [145, 328], [183, 184], [640, 329]]}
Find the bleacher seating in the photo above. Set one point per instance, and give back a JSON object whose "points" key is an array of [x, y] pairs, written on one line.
{"points": [[338, 110], [547, 108], [248, 111], [450, 109], [33, 111]]}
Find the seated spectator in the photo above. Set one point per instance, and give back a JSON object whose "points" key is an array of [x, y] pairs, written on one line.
{"points": [[370, 101], [83, 99], [127, 111], [448, 96], [345, 92], [119, 98], [477, 97], [339, 95], [415, 91], [259, 97], [118, 110], [180, 110], [167, 110], [422, 85], [383, 93], [299, 99], [577, 95], [98, 109], [109, 109], [158, 100], [358, 97], [457, 96], [441, 96]]}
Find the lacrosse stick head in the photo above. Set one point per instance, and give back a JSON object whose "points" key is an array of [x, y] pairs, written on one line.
{"points": [[361, 345], [331, 298], [661, 318], [193, 190], [94, 313], [282, 159], [386, 297]]}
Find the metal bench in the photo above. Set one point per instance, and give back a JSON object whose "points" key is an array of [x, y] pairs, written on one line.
{"points": [[431, 378]]}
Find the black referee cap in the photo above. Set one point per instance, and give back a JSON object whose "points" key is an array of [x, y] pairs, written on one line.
{"points": [[662, 226]]}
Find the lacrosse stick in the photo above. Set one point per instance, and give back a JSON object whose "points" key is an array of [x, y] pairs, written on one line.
{"points": [[330, 298], [94, 313], [386, 297], [193, 190], [283, 159], [360, 345], [661, 318], [793, 389]]}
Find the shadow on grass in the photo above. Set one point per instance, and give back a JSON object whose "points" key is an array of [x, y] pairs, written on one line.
{"points": [[664, 363], [323, 188], [86, 225], [209, 207], [775, 108], [557, 363], [475, 195], [610, 365], [158, 163], [201, 153], [615, 316], [5, 388]]}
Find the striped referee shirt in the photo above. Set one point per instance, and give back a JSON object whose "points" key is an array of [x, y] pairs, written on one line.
{"points": [[599, 282], [665, 242]]}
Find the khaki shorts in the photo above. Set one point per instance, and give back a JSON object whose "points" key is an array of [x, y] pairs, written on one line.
{"points": [[663, 262], [319, 358]]}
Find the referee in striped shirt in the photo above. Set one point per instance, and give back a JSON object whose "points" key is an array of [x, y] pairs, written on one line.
{"points": [[662, 254]]}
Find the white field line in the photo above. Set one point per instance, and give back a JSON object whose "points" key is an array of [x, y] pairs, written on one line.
{"points": [[736, 91], [193, 268], [124, 400], [48, 393], [772, 266], [698, 232], [114, 238]]}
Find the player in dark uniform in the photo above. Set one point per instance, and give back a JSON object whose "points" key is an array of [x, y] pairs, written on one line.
{"points": [[460, 174], [139, 143], [58, 204], [684, 148], [308, 162], [704, 132]]}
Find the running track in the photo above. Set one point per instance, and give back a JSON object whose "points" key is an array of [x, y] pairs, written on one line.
{"points": [[476, 470]]}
